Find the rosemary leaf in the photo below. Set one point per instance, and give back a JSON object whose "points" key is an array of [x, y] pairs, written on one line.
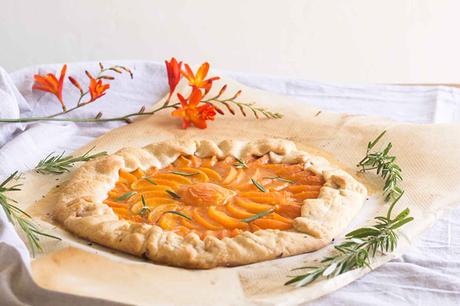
{"points": [[58, 164], [278, 178], [125, 196], [240, 164], [258, 185], [173, 194], [150, 180], [385, 166], [19, 217], [145, 209], [258, 216], [185, 173], [179, 214]]}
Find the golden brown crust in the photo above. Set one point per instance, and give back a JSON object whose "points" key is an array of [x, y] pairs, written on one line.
{"points": [[80, 209]]}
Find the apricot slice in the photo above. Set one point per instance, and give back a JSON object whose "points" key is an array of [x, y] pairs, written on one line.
{"points": [[224, 219], [168, 221], [301, 188], [196, 161], [121, 211], [119, 186], [147, 186], [157, 212], [160, 193], [278, 217], [205, 194], [114, 204], [127, 176], [254, 227], [116, 194], [213, 175], [189, 224], [238, 212], [307, 179], [238, 179], [254, 194], [306, 195], [172, 177], [252, 206], [144, 185], [208, 224], [289, 210], [230, 177], [272, 224], [138, 173], [182, 161]]}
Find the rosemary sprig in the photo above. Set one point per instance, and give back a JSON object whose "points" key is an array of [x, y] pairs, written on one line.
{"points": [[145, 209], [258, 216], [147, 178], [359, 247], [17, 216], [175, 212], [362, 244], [173, 194], [125, 196], [58, 164], [185, 173], [258, 185], [278, 178], [240, 164], [386, 167]]}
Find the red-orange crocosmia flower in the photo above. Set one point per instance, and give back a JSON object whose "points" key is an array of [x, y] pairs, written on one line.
{"points": [[173, 68], [51, 84], [190, 112], [199, 80], [97, 89]]}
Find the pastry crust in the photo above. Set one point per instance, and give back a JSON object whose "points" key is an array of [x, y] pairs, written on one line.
{"points": [[80, 207]]}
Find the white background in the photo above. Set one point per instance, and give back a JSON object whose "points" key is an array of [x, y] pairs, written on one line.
{"points": [[393, 41]]}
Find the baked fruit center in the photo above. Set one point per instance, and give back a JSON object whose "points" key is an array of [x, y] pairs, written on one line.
{"points": [[215, 197]]}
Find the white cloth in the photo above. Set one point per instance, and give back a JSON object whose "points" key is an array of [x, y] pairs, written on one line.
{"points": [[428, 274]]}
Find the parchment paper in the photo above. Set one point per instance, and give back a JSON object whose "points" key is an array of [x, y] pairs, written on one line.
{"points": [[428, 155]]}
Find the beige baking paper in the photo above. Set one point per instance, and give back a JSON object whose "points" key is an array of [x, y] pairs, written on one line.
{"points": [[428, 155]]}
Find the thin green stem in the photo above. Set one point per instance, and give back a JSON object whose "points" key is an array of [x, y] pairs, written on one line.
{"points": [[121, 118]]}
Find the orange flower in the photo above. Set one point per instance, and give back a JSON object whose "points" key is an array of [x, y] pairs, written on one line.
{"points": [[173, 69], [97, 89], [199, 80], [51, 84], [190, 112]]}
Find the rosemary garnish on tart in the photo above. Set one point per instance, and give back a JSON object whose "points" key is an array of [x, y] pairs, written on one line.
{"points": [[145, 209], [173, 194], [146, 178], [240, 164], [175, 212], [19, 217], [280, 179], [361, 245], [58, 164], [258, 185], [125, 196], [185, 173], [259, 215]]}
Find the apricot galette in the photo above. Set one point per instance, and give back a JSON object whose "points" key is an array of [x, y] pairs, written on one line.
{"points": [[199, 204]]}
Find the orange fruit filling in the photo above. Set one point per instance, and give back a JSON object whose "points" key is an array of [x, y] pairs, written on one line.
{"points": [[214, 197]]}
